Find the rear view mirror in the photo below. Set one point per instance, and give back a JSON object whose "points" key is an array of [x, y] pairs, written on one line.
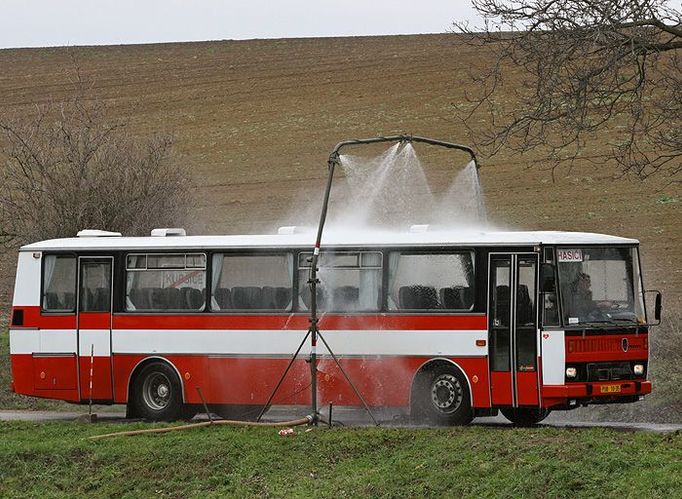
{"points": [[547, 279], [658, 305]]}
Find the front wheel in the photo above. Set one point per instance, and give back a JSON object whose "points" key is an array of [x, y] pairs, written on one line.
{"points": [[442, 397], [157, 393], [525, 416]]}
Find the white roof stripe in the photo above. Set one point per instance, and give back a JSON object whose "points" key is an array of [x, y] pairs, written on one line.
{"points": [[464, 237]]}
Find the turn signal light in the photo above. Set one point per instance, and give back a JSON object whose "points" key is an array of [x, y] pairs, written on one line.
{"points": [[480, 343]]}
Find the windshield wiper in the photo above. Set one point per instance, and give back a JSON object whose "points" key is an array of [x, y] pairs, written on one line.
{"points": [[596, 324], [625, 319]]}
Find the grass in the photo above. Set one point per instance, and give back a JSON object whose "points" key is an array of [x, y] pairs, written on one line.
{"points": [[56, 459]]}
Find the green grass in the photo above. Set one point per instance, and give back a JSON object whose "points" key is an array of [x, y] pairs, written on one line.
{"points": [[56, 459]]}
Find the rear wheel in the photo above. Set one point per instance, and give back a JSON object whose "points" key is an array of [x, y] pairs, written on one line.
{"points": [[157, 393], [441, 396], [525, 416]]}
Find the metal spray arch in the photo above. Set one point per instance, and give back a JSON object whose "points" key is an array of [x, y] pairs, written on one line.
{"points": [[313, 281]]}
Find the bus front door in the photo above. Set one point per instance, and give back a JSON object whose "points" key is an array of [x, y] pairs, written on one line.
{"points": [[512, 316], [95, 277]]}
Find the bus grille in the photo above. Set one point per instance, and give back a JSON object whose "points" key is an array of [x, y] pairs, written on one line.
{"points": [[594, 345]]}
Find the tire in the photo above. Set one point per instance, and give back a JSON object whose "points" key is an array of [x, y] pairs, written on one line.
{"points": [[441, 396], [525, 416], [157, 394]]}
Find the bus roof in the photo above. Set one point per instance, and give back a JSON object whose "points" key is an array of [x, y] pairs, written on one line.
{"points": [[336, 238]]}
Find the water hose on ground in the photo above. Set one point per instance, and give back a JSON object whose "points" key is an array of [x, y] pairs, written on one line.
{"points": [[295, 422]]}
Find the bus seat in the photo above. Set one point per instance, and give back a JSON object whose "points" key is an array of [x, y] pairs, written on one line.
{"points": [[140, 298], [192, 298], [69, 301], [502, 304], [133, 299], [268, 297], [345, 298], [282, 297], [428, 298], [275, 298], [467, 297], [524, 306], [452, 299], [406, 298], [52, 301], [174, 299], [224, 298], [418, 297], [247, 297], [321, 294], [157, 299]]}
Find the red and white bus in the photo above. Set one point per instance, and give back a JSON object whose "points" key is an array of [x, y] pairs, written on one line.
{"points": [[452, 324]]}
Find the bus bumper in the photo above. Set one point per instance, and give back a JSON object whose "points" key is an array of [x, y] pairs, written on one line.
{"points": [[601, 392]]}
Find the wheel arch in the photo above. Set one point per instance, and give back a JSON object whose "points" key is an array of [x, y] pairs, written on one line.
{"points": [[149, 360], [433, 363]]}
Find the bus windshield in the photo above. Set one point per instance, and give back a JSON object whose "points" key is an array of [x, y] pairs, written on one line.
{"points": [[600, 285]]}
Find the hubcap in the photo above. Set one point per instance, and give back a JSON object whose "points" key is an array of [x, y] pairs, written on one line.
{"points": [[156, 391], [446, 393]]}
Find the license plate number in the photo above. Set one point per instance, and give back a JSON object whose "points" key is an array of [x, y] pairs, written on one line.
{"points": [[610, 388]]}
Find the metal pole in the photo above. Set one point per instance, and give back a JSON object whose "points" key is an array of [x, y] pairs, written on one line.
{"points": [[92, 369]]}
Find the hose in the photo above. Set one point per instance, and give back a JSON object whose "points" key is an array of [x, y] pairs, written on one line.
{"points": [[295, 422]]}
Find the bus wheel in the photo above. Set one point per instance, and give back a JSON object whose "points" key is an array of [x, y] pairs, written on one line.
{"points": [[525, 416], [442, 397], [157, 393]]}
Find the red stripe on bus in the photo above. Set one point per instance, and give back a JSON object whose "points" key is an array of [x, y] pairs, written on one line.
{"points": [[33, 318], [299, 322]]}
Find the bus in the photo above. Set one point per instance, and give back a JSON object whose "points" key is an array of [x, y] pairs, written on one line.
{"points": [[448, 324]]}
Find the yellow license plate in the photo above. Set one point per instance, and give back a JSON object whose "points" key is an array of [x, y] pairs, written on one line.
{"points": [[610, 388]]}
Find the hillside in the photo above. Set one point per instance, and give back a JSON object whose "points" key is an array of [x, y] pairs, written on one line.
{"points": [[255, 121]]}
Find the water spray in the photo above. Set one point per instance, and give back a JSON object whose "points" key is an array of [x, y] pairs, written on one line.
{"points": [[313, 281]]}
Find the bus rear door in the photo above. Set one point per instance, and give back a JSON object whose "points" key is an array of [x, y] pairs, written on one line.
{"points": [[513, 329], [95, 277]]}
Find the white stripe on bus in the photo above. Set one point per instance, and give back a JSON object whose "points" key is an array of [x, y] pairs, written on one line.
{"points": [[252, 342]]}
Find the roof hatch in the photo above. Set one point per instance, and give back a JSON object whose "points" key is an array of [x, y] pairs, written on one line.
{"points": [[168, 232], [97, 233]]}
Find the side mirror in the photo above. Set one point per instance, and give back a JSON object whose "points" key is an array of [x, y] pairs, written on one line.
{"points": [[658, 305], [547, 279]]}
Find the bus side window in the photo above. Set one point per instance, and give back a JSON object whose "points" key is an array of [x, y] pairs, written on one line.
{"points": [[434, 281], [252, 282], [59, 283], [95, 287], [350, 281], [158, 282]]}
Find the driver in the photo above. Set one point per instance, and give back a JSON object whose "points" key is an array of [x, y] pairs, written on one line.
{"points": [[583, 306]]}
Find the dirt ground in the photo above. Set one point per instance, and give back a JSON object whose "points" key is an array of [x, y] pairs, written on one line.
{"points": [[255, 120]]}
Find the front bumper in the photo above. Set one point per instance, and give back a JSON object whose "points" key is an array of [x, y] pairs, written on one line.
{"points": [[560, 395]]}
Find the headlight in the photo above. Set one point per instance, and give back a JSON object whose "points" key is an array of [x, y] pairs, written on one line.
{"points": [[638, 369], [571, 372]]}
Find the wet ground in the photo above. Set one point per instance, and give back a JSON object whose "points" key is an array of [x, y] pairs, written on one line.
{"points": [[341, 416]]}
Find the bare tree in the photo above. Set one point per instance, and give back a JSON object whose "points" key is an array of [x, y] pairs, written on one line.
{"points": [[587, 69], [67, 167]]}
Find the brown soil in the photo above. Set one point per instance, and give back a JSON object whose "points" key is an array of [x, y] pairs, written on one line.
{"points": [[255, 121]]}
